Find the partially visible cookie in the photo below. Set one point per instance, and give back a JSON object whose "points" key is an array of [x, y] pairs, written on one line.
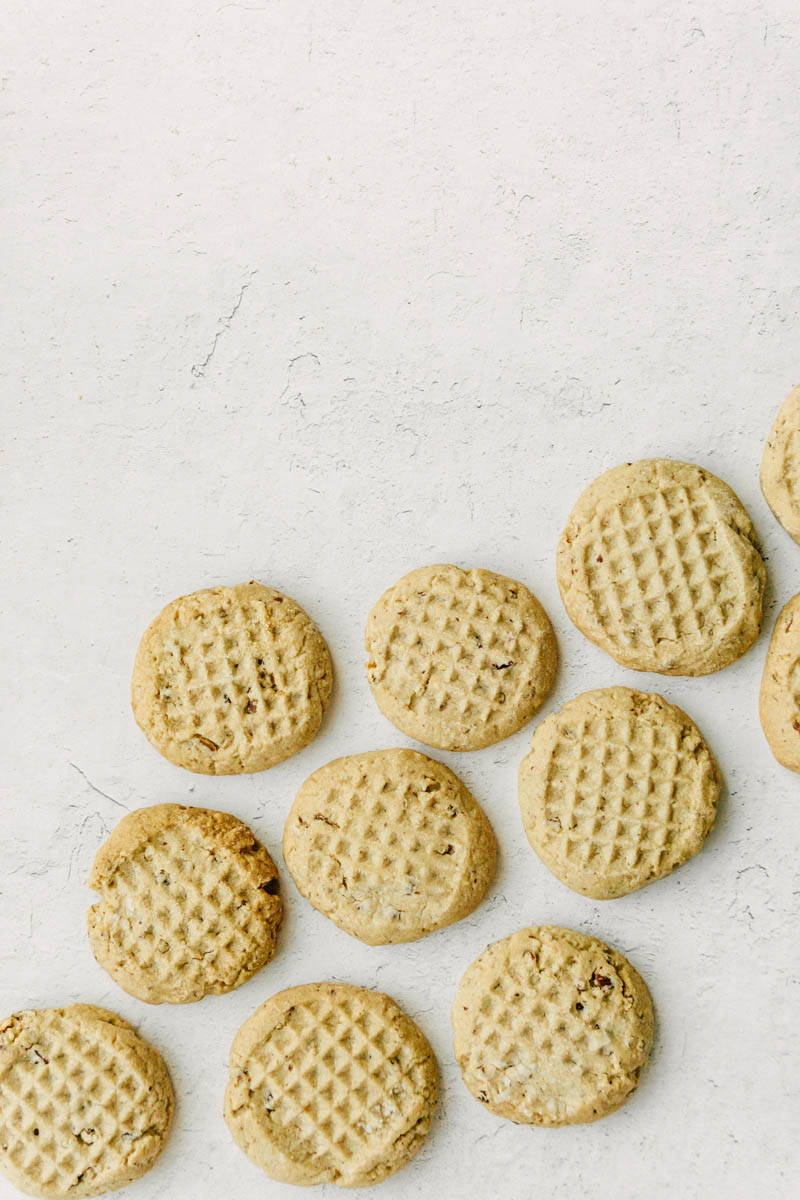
{"points": [[780, 466], [658, 566], [231, 679], [779, 699], [551, 1027], [330, 1083], [389, 844], [189, 906], [459, 659], [618, 789], [85, 1103]]}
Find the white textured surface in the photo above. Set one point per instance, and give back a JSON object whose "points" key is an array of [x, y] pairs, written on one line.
{"points": [[316, 293]]}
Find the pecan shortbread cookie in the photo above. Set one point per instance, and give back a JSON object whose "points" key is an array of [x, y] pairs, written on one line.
{"points": [[780, 466], [190, 904], [779, 699], [459, 659], [85, 1103], [618, 789], [231, 679], [330, 1083], [658, 566], [389, 844], [551, 1027]]}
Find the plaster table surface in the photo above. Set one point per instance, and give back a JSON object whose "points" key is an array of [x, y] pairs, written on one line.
{"points": [[315, 293]]}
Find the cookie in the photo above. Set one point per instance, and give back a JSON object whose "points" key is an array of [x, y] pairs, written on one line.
{"points": [[779, 699], [390, 845], [231, 679], [85, 1103], [551, 1027], [189, 906], [330, 1083], [618, 789], [459, 659], [658, 566], [780, 466]]}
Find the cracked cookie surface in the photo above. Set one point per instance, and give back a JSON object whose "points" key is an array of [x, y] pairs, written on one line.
{"points": [[189, 906], [330, 1083], [551, 1027], [231, 679], [618, 789], [459, 659], [85, 1103], [658, 566], [389, 845]]}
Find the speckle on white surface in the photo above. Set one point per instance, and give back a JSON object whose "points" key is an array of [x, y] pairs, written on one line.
{"points": [[319, 292]]}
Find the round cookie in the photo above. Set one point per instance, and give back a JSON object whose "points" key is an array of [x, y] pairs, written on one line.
{"points": [[231, 679], [189, 906], [459, 659], [390, 845], [780, 466], [617, 790], [657, 565], [85, 1103], [330, 1083], [779, 698], [551, 1027]]}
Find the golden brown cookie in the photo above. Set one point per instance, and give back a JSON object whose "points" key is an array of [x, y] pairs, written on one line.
{"points": [[618, 789], [658, 566], [85, 1103], [779, 699], [189, 906], [459, 659], [390, 845], [231, 679], [551, 1027], [330, 1083], [780, 466]]}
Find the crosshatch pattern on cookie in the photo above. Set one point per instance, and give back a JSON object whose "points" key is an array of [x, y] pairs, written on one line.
{"points": [[236, 672], [656, 570], [544, 1021], [389, 828], [622, 793], [342, 1073], [179, 909], [391, 836], [232, 672], [466, 646], [444, 637], [73, 1107]]}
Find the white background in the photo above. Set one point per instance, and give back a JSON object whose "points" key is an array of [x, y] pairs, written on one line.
{"points": [[316, 293]]}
